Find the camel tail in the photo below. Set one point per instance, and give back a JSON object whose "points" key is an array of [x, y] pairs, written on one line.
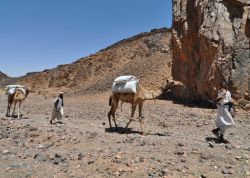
{"points": [[110, 100]]}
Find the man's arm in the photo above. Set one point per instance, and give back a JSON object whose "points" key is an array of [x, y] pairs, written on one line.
{"points": [[56, 103]]}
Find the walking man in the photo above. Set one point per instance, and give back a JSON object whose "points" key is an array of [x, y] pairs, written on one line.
{"points": [[224, 119], [57, 112]]}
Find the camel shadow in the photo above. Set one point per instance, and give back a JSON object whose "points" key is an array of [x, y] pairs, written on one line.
{"points": [[215, 140], [121, 130], [158, 134], [15, 116]]}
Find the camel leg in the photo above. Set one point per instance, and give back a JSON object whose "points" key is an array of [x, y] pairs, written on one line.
{"points": [[141, 117], [109, 116], [112, 111], [18, 110], [132, 116], [9, 106], [113, 114], [14, 109], [8, 110]]}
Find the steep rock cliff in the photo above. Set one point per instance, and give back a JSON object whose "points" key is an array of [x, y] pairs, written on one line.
{"points": [[210, 42]]}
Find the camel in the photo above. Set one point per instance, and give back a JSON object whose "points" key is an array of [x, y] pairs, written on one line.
{"points": [[17, 97], [135, 99]]}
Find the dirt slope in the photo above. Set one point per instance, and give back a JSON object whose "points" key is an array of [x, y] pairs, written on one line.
{"points": [[147, 56]]}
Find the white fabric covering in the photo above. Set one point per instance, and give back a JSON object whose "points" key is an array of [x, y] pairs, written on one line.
{"points": [[10, 89], [125, 84], [224, 119], [124, 79]]}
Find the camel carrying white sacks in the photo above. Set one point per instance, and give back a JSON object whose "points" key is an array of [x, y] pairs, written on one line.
{"points": [[16, 94], [125, 84], [10, 89]]}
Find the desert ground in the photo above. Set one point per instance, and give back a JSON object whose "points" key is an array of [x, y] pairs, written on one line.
{"points": [[179, 142]]}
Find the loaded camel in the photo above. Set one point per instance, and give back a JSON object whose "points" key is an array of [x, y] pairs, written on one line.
{"points": [[135, 99], [17, 97]]}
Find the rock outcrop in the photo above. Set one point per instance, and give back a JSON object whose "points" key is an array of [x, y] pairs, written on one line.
{"points": [[210, 42]]}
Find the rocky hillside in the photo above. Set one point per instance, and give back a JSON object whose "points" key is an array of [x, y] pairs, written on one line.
{"points": [[147, 56], [4, 79], [210, 42]]}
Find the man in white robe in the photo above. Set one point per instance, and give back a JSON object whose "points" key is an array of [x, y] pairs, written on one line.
{"points": [[57, 111], [224, 119]]}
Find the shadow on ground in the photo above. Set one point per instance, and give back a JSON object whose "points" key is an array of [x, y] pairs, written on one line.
{"points": [[121, 130], [216, 140]]}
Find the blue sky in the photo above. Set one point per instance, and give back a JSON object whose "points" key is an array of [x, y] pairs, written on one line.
{"points": [[41, 34]]}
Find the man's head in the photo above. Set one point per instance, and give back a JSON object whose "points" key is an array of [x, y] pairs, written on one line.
{"points": [[61, 95], [224, 85]]}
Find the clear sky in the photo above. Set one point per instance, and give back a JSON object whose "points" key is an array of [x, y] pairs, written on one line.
{"points": [[41, 34]]}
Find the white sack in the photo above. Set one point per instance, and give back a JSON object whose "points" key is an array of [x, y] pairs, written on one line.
{"points": [[10, 89], [124, 79], [128, 87]]}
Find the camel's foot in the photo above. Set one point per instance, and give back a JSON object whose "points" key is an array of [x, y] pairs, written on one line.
{"points": [[7, 115]]}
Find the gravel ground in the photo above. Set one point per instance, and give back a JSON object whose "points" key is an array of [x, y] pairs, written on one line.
{"points": [[179, 142]]}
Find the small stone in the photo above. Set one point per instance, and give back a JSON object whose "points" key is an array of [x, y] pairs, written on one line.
{"points": [[8, 169], [203, 176], [226, 171], [41, 147], [183, 160], [228, 167], [237, 146], [238, 158], [91, 162], [5, 152], [29, 174], [247, 173], [118, 157], [164, 171], [180, 153], [40, 157], [180, 144], [142, 143], [228, 146], [141, 159], [211, 144], [80, 156]]}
